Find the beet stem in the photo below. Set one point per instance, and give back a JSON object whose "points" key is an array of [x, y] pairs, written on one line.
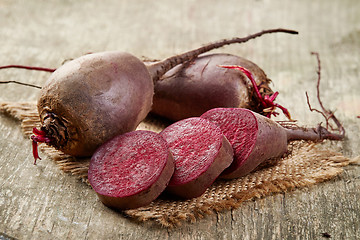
{"points": [[266, 102], [160, 68]]}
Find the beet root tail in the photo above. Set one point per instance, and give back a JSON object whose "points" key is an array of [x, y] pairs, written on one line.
{"points": [[38, 137], [313, 134]]}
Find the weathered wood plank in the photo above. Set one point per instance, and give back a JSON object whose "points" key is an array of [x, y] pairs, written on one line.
{"points": [[42, 202]]}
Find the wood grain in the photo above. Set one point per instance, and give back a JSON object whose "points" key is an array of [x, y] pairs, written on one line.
{"points": [[42, 202]]}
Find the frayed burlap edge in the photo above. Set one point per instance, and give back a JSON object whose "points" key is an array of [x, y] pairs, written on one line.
{"points": [[305, 165], [29, 117]]}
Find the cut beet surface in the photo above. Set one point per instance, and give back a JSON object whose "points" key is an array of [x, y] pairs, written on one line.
{"points": [[253, 137], [201, 152], [131, 170]]}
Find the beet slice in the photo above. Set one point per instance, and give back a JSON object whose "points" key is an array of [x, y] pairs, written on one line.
{"points": [[201, 152], [131, 170], [254, 138]]}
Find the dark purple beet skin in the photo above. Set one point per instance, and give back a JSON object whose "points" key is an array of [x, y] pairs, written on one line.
{"points": [[201, 152], [204, 82], [131, 170], [253, 137]]}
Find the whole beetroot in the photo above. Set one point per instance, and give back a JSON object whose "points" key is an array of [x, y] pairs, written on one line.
{"points": [[190, 89], [84, 103]]}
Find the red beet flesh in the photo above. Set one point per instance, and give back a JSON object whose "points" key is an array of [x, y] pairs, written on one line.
{"points": [[131, 170], [253, 137], [201, 152]]}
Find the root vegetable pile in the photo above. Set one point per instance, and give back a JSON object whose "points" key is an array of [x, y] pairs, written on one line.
{"points": [[201, 152], [93, 104]]}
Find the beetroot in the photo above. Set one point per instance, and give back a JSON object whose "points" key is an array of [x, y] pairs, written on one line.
{"points": [[256, 138], [93, 98], [201, 153], [190, 89], [131, 170]]}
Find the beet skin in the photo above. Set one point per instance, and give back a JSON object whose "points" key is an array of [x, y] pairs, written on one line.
{"points": [[193, 88], [93, 98]]}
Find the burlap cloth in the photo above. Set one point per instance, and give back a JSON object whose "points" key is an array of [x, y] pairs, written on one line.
{"points": [[305, 164]]}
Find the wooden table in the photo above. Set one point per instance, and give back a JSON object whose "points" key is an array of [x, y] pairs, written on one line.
{"points": [[42, 202]]}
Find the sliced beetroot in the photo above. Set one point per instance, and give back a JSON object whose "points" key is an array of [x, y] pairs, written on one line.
{"points": [[254, 138], [131, 170], [201, 152]]}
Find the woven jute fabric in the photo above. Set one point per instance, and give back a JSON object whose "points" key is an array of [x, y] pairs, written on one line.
{"points": [[305, 164]]}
